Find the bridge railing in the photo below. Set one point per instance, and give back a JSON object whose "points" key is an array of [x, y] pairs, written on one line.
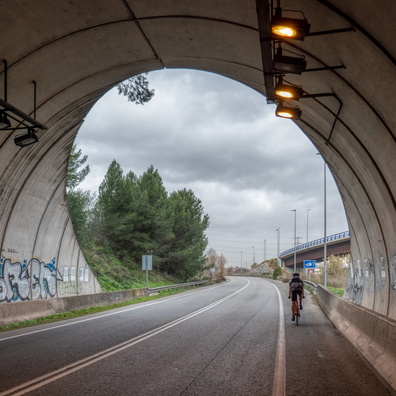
{"points": [[320, 241]]}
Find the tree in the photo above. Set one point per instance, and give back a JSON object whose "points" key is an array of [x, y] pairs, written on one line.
{"points": [[109, 205], [136, 89], [186, 255], [222, 263], [335, 265], [79, 202], [134, 216], [277, 272], [211, 258], [152, 229], [75, 175], [133, 211]]}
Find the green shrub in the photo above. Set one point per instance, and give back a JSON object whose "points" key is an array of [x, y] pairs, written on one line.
{"points": [[277, 272]]}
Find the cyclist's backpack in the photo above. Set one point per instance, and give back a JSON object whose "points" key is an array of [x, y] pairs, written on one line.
{"points": [[296, 285]]}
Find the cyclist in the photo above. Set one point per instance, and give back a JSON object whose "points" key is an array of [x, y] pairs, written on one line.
{"points": [[296, 288]]}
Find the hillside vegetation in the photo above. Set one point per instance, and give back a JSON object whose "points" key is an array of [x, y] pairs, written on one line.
{"points": [[131, 216]]}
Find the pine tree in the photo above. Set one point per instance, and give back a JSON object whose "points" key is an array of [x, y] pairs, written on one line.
{"points": [[79, 202], [186, 256], [136, 89], [75, 175]]}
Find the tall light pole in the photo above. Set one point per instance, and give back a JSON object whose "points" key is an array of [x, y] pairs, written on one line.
{"points": [[324, 225], [253, 254], [265, 250], [278, 235], [295, 254], [307, 224]]}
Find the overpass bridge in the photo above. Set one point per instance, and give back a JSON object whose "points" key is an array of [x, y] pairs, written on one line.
{"points": [[336, 244]]}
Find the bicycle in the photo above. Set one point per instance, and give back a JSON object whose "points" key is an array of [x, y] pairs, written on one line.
{"points": [[296, 311]]}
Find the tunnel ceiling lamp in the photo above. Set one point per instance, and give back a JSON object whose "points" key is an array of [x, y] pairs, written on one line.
{"points": [[26, 139], [283, 111], [291, 92], [288, 28], [289, 64]]}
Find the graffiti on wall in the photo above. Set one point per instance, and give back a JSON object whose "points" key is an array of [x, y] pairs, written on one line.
{"points": [[69, 288], [33, 280], [355, 282]]}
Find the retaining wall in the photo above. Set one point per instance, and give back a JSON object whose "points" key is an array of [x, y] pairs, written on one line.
{"points": [[20, 311], [372, 334]]}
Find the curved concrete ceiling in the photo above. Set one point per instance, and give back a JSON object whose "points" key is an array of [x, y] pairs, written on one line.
{"points": [[76, 50]]}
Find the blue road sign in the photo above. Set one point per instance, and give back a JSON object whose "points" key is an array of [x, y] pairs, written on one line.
{"points": [[309, 263]]}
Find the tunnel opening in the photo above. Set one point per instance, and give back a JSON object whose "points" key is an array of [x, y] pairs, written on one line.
{"points": [[218, 137]]}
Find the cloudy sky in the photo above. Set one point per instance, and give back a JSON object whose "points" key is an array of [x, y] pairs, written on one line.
{"points": [[220, 139]]}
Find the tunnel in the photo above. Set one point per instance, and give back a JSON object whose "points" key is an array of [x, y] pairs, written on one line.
{"points": [[59, 57]]}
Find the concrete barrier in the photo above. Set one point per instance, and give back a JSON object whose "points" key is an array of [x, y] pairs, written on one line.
{"points": [[20, 311], [372, 334]]}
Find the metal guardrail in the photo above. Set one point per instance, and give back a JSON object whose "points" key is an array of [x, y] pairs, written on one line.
{"points": [[311, 283], [320, 241], [177, 286]]}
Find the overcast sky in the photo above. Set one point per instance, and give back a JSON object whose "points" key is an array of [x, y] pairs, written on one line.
{"points": [[220, 139]]}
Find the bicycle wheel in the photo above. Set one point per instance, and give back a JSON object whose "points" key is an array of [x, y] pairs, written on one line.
{"points": [[297, 318]]}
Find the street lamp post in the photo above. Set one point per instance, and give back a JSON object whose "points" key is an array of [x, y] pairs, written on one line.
{"points": [[324, 225], [307, 224], [295, 253], [265, 250], [278, 243]]}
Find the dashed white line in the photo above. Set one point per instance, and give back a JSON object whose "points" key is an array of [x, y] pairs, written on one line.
{"points": [[107, 314], [69, 369]]}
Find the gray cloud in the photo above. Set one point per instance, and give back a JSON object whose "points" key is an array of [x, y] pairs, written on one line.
{"points": [[221, 139]]}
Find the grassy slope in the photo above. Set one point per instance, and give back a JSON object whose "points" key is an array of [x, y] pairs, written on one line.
{"points": [[113, 274]]}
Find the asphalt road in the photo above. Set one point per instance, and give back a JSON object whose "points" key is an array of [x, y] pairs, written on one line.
{"points": [[236, 338]]}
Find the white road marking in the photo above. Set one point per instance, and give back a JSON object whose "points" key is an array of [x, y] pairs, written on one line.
{"points": [[71, 368], [108, 314], [279, 384]]}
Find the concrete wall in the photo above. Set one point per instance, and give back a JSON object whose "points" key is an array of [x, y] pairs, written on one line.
{"points": [[18, 311], [372, 334]]}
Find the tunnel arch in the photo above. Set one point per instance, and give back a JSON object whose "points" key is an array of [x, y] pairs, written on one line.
{"points": [[76, 51]]}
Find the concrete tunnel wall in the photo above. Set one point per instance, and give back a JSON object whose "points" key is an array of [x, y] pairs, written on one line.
{"points": [[76, 51]]}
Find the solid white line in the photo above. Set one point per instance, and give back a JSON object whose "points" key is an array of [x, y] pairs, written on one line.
{"points": [[71, 368], [279, 384], [109, 314]]}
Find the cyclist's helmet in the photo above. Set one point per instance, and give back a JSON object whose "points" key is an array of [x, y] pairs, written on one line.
{"points": [[296, 274]]}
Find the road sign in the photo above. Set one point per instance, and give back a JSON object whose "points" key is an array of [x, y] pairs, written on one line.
{"points": [[147, 265], [309, 263], [147, 262]]}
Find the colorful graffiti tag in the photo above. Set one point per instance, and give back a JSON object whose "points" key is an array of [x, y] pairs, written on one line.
{"points": [[33, 280]]}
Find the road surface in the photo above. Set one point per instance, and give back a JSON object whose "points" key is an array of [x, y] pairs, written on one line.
{"points": [[235, 338]]}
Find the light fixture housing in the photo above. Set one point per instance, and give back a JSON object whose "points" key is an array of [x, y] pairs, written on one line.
{"points": [[289, 28], [289, 64], [290, 92], [4, 121], [26, 139], [293, 113]]}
